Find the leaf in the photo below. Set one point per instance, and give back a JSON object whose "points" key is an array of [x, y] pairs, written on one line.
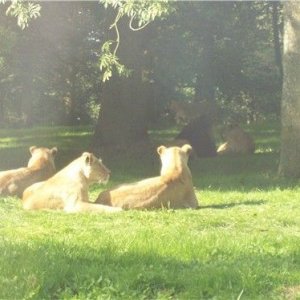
{"points": [[24, 11]]}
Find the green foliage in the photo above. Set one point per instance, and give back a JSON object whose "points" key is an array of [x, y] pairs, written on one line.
{"points": [[23, 11], [55, 62], [50, 73], [110, 62], [241, 56], [244, 239], [142, 11]]}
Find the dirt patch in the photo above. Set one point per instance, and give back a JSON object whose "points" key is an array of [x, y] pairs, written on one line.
{"points": [[291, 292]]}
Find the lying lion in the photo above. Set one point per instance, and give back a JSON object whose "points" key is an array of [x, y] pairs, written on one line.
{"points": [[237, 142], [172, 189], [40, 167], [68, 189]]}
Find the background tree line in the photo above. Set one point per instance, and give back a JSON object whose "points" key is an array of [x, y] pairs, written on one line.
{"points": [[226, 52]]}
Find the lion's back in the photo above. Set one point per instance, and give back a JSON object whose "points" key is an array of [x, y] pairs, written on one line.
{"points": [[13, 182], [150, 193], [49, 194], [135, 195]]}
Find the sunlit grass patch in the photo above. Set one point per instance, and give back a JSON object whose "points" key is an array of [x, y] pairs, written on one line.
{"points": [[244, 240]]}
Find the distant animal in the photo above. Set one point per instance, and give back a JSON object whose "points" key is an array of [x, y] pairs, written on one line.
{"points": [[237, 142], [186, 111], [40, 167], [172, 189], [67, 190], [199, 134]]}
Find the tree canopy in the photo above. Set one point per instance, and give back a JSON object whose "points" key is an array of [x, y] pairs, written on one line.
{"points": [[223, 51]]}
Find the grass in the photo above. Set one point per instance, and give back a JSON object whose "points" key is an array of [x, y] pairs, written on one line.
{"points": [[242, 244]]}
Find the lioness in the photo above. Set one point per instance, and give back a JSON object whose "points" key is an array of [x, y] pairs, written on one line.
{"points": [[40, 167], [238, 142], [172, 189], [68, 189]]}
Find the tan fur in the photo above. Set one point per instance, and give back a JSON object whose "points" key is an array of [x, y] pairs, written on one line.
{"points": [[68, 189], [237, 142], [172, 189], [40, 167]]}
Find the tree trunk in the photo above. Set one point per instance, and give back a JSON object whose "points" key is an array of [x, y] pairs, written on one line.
{"points": [[122, 116], [205, 82], [276, 37], [124, 102], [290, 108], [205, 85], [1, 109], [72, 94], [27, 98]]}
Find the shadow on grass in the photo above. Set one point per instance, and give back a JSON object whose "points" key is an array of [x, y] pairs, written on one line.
{"points": [[53, 270], [243, 173], [257, 172], [229, 205]]}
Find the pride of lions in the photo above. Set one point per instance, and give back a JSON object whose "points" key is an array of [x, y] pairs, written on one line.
{"points": [[67, 190], [40, 187]]}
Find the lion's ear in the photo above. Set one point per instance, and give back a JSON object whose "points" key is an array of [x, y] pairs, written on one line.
{"points": [[32, 148], [88, 158], [53, 151], [187, 149], [161, 149]]}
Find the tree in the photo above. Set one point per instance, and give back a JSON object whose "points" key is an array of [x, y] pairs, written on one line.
{"points": [[140, 12], [290, 108], [23, 11], [49, 72], [122, 119], [125, 100], [202, 53], [276, 22], [199, 52]]}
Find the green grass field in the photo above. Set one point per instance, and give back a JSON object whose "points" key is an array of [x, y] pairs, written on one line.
{"points": [[244, 242]]}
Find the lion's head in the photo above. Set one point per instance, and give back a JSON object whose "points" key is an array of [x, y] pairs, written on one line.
{"points": [[174, 159], [168, 155], [94, 170], [41, 157]]}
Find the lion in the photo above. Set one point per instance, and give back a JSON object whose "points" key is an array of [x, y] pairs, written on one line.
{"points": [[67, 190], [172, 189], [238, 142], [40, 167]]}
